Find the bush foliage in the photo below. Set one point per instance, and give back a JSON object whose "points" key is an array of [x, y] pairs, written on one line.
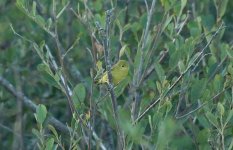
{"points": [[178, 93]]}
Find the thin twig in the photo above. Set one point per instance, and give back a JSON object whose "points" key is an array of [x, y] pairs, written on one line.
{"points": [[181, 25], [144, 41], [154, 102], [199, 107], [51, 120], [109, 74], [53, 65], [153, 48], [28, 103], [106, 44], [62, 10], [22, 37], [139, 71], [71, 47], [210, 78], [91, 110], [217, 68], [60, 51], [87, 25], [127, 11]]}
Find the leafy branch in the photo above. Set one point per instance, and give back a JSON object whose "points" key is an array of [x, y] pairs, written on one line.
{"points": [[192, 63]]}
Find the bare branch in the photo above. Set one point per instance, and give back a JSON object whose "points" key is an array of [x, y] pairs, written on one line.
{"points": [[106, 44]]}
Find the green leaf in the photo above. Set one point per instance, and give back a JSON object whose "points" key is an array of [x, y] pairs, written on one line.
{"points": [[204, 121], [194, 29], [194, 58], [223, 7], [40, 20], [135, 27], [48, 76], [37, 134], [181, 66], [137, 59], [34, 8], [212, 119], [166, 131], [189, 46], [51, 128], [230, 114], [208, 21], [176, 8], [135, 132], [218, 83], [119, 89], [212, 62], [168, 20], [49, 23], [220, 109], [224, 47], [203, 136], [122, 51], [160, 72], [44, 68], [183, 4], [20, 4], [230, 53], [49, 144], [79, 93], [41, 113], [175, 57], [100, 19], [198, 87], [126, 27], [39, 49], [166, 4], [159, 87], [168, 105], [150, 122]]}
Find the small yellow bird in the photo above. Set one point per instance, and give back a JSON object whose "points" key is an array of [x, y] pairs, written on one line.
{"points": [[119, 72]]}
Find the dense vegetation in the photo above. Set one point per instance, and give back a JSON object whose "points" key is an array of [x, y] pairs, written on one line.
{"points": [[178, 93]]}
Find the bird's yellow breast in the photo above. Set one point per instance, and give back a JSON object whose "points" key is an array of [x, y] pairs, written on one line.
{"points": [[119, 72]]}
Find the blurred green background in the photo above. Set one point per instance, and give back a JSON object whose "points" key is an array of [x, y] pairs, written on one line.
{"points": [[186, 62]]}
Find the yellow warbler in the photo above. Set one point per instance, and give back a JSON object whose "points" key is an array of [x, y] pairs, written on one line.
{"points": [[119, 72]]}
